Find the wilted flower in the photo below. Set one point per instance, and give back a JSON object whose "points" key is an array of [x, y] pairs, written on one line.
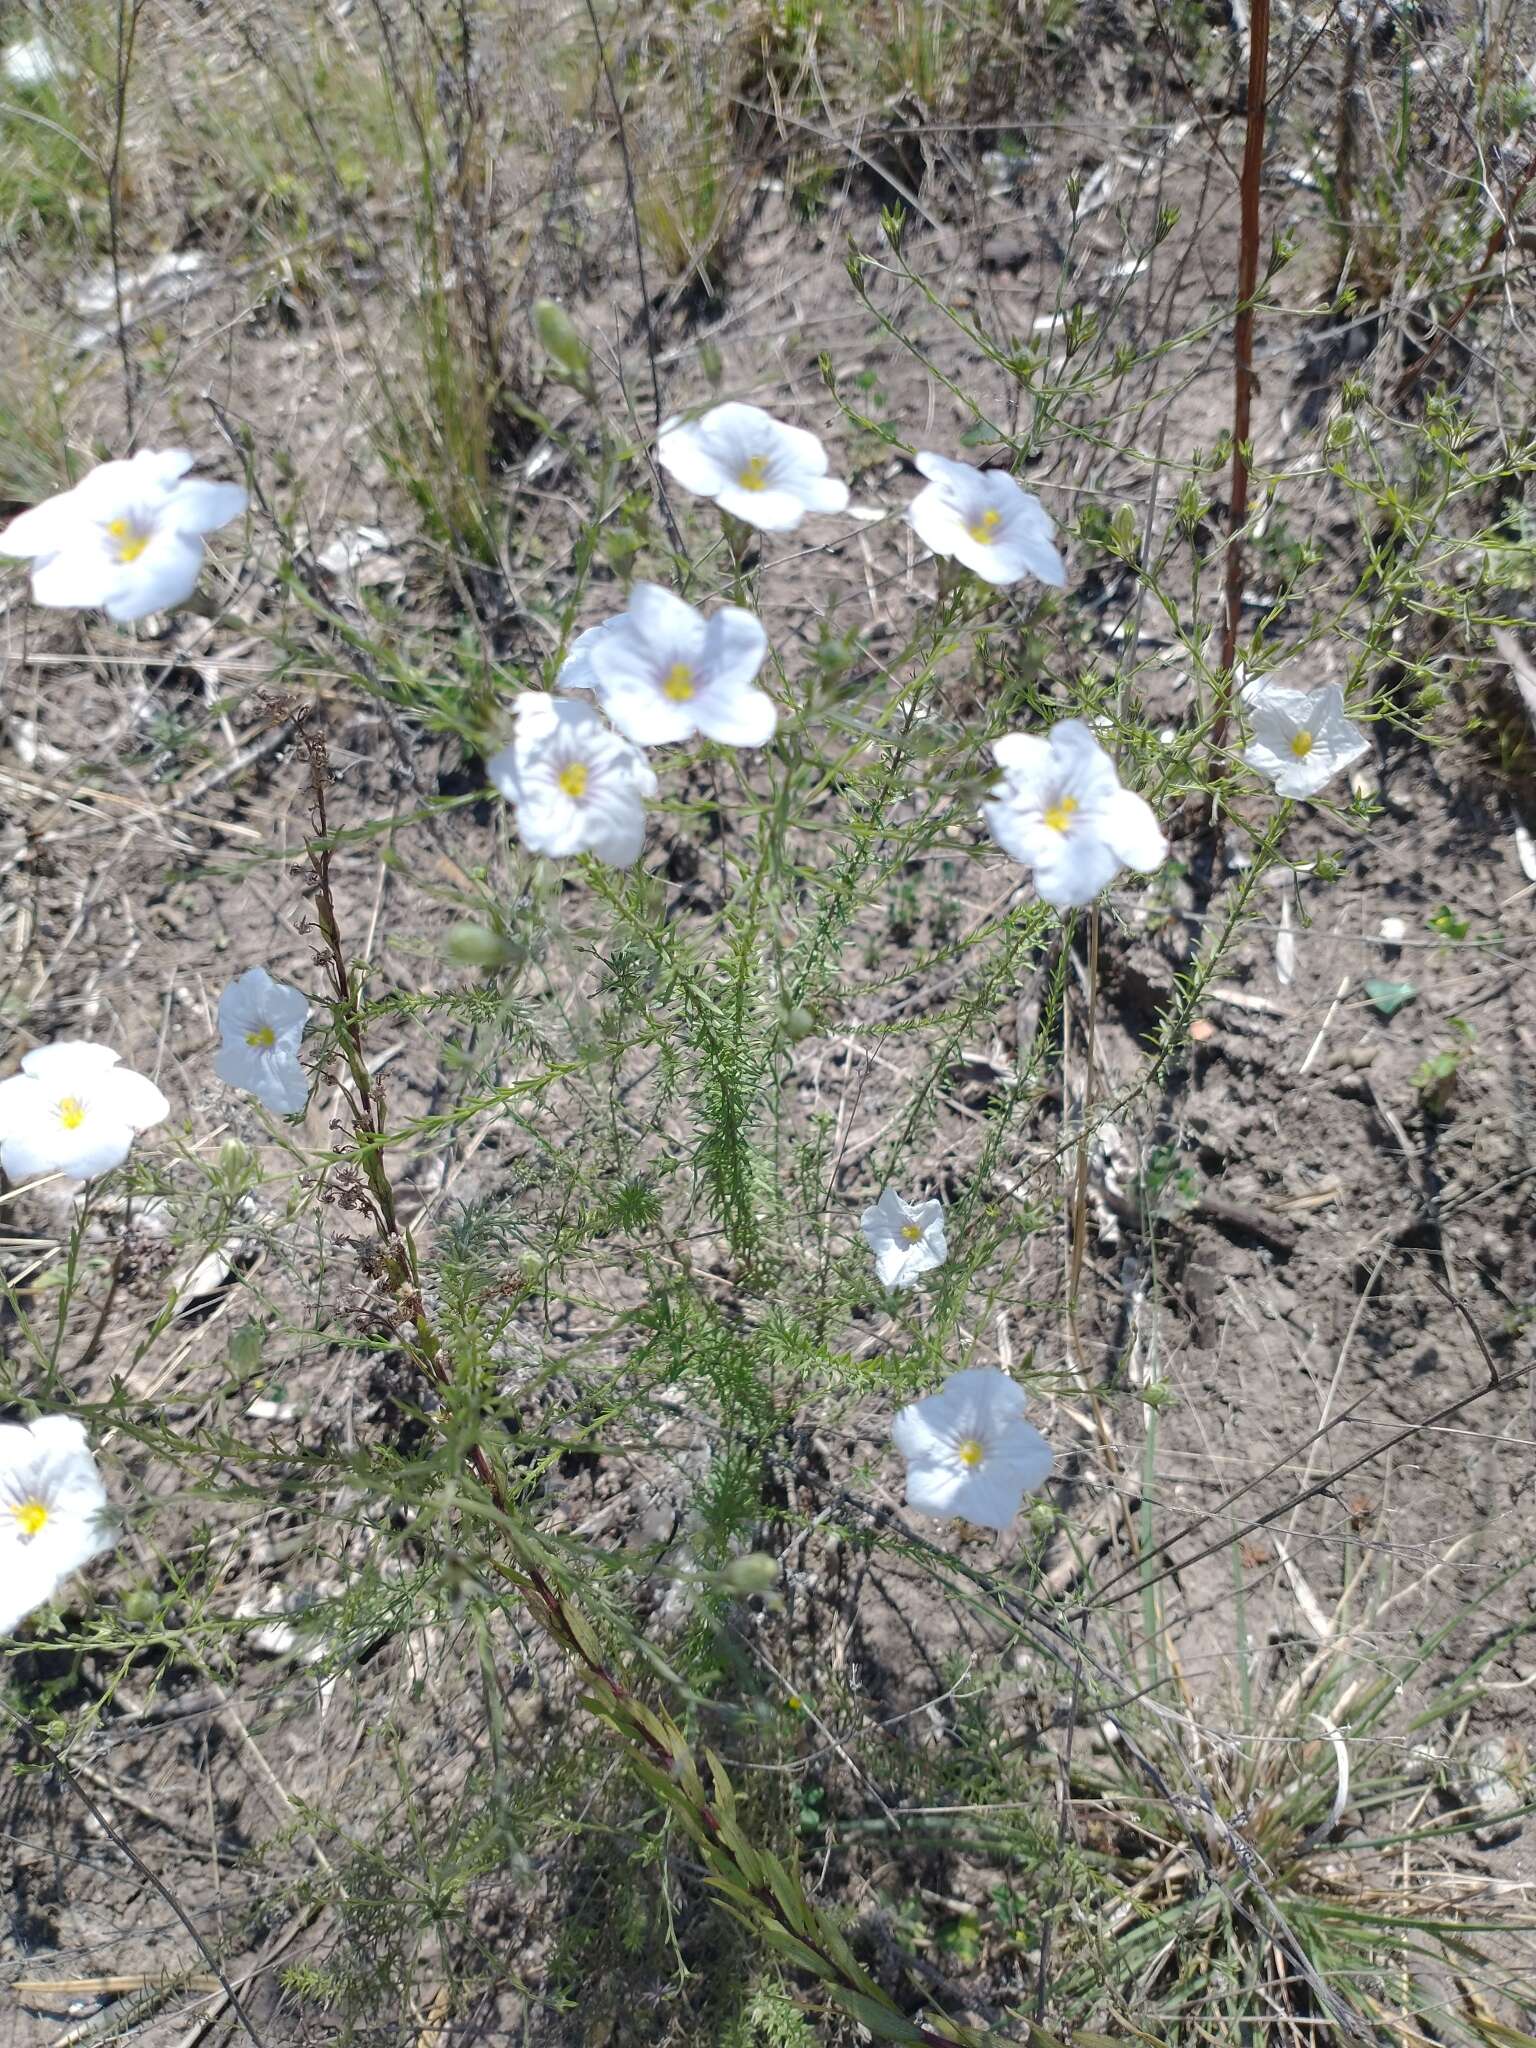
{"points": [[576, 787], [51, 1502], [985, 520], [752, 465], [262, 1022], [969, 1450], [127, 537], [1061, 811], [72, 1109], [907, 1238], [1301, 738], [665, 672]]}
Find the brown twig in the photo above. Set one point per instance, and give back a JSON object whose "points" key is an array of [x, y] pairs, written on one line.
{"points": [[647, 311], [1242, 355], [127, 32], [1474, 291]]}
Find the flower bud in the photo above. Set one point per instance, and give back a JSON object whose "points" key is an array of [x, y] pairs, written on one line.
{"points": [[474, 945], [798, 1023], [757, 1572], [557, 335]]}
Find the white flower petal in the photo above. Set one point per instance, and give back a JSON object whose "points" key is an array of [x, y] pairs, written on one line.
{"points": [[907, 1240], [667, 626], [272, 1074], [49, 1467], [131, 1097], [81, 578], [559, 743], [58, 1436], [644, 714], [199, 507], [1089, 772], [953, 477], [985, 520], [737, 715], [969, 1449], [823, 493], [734, 647], [67, 1061], [254, 1002], [73, 1109], [771, 511], [685, 454], [1033, 553], [1074, 870], [1131, 831], [37, 1146], [161, 578], [1025, 756], [156, 469], [576, 671], [939, 1488], [44, 529], [755, 467]]}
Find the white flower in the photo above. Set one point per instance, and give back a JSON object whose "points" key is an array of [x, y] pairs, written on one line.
{"points": [[576, 787], [72, 1109], [1061, 811], [985, 520], [262, 1022], [907, 1238], [127, 537], [1301, 738], [664, 672], [576, 671], [752, 465], [969, 1450], [51, 1502], [34, 62]]}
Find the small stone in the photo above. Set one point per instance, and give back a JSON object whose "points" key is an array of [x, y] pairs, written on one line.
{"points": [[1491, 1788], [1007, 249]]}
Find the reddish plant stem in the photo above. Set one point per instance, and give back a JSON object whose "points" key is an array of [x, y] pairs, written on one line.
{"points": [[1251, 178]]}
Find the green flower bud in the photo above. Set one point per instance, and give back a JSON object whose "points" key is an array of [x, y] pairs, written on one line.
{"points": [[234, 1161], [754, 1573], [798, 1024], [474, 945], [559, 339]]}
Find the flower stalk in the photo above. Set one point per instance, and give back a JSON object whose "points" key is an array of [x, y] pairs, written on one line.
{"points": [[758, 1889]]}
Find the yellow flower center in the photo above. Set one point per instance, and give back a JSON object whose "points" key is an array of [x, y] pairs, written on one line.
{"points": [[573, 779], [754, 473], [1059, 813], [31, 1515], [1301, 745], [985, 529], [969, 1453], [911, 1232], [679, 683], [71, 1112], [263, 1038], [130, 543]]}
